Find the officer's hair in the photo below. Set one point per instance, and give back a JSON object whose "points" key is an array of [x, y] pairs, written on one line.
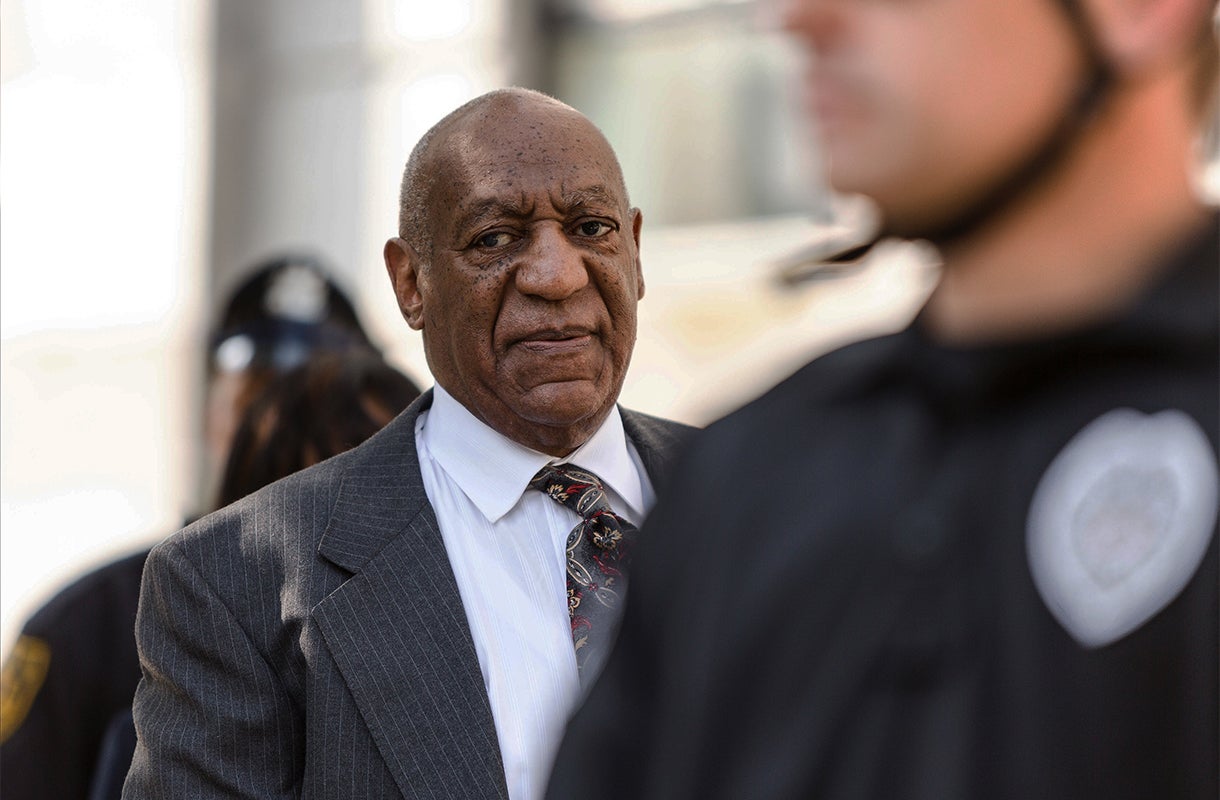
{"points": [[324, 407]]}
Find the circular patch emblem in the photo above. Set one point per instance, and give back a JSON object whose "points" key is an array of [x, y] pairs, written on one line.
{"points": [[1121, 520]]}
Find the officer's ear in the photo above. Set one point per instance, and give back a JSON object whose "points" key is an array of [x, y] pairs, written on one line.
{"points": [[1142, 37], [402, 264]]}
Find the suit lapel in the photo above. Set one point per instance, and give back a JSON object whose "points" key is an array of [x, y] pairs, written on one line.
{"points": [[397, 629]]}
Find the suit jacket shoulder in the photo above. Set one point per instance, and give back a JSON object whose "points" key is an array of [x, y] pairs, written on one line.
{"points": [[311, 637], [659, 442]]}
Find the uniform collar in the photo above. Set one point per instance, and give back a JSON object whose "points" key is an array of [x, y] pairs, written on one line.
{"points": [[1178, 312], [494, 471]]}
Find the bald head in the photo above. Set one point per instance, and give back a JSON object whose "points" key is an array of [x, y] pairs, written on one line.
{"points": [[500, 113]]}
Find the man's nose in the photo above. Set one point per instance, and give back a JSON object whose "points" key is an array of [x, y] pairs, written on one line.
{"points": [[554, 267]]}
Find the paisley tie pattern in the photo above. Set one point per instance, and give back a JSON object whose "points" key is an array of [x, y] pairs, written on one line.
{"points": [[598, 552]]}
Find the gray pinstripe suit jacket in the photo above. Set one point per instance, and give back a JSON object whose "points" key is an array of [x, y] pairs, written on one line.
{"points": [[309, 641]]}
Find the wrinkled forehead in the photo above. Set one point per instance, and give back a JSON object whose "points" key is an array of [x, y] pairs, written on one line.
{"points": [[525, 148]]}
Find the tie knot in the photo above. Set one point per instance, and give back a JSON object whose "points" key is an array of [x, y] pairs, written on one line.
{"points": [[572, 487], [583, 492]]}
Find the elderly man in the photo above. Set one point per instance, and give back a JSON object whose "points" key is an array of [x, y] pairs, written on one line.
{"points": [[978, 558], [414, 618]]}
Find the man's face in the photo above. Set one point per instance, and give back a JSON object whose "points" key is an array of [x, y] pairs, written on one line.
{"points": [[527, 300], [920, 104]]}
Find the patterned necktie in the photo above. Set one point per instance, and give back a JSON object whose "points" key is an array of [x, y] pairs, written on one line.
{"points": [[598, 550]]}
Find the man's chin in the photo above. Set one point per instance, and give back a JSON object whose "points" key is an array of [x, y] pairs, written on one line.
{"points": [[564, 403]]}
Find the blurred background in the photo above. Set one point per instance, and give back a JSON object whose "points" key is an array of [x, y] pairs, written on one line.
{"points": [[152, 150]]}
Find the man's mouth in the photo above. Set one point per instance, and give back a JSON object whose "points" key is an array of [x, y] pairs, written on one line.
{"points": [[556, 341]]}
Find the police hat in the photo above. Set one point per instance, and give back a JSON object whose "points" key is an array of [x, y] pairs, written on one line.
{"points": [[287, 309]]}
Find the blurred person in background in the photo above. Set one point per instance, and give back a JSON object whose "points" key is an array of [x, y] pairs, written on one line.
{"points": [[326, 406], [285, 312], [415, 618], [75, 667], [978, 558]]}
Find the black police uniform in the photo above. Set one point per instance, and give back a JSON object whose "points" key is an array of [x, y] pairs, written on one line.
{"points": [[73, 669], [836, 600]]}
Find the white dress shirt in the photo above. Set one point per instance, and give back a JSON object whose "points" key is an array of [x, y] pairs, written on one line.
{"points": [[506, 543]]}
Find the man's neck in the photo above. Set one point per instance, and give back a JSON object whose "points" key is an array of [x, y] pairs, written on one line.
{"points": [[1084, 243]]}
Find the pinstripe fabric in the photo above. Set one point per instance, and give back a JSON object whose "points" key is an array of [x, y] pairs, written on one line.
{"points": [[309, 641]]}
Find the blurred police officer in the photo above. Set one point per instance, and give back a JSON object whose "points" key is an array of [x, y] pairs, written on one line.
{"points": [[74, 667], [978, 558]]}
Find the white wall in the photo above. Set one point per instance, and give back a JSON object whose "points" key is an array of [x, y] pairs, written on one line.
{"points": [[103, 172]]}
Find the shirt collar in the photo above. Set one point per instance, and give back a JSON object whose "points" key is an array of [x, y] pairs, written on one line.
{"points": [[494, 471]]}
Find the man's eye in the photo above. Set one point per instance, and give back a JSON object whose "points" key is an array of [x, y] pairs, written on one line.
{"points": [[494, 239], [594, 228]]}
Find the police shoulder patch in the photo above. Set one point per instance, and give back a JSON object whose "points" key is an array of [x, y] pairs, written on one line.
{"points": [[1121, 520], [20, 680]]}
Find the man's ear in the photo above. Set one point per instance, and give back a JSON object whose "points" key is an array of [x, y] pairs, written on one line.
{"points": [[402, 264], [1140, 37], [637, 220]]}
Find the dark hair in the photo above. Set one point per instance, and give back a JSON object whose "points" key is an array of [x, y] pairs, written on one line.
{"points": [[328, 405], [284, 310]]}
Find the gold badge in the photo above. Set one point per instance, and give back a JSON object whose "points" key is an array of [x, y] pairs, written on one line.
{"points": [[20, 680]]}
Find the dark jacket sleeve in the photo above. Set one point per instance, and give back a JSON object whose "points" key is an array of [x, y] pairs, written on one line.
{"points": [[71, 671], [212, 716]]}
